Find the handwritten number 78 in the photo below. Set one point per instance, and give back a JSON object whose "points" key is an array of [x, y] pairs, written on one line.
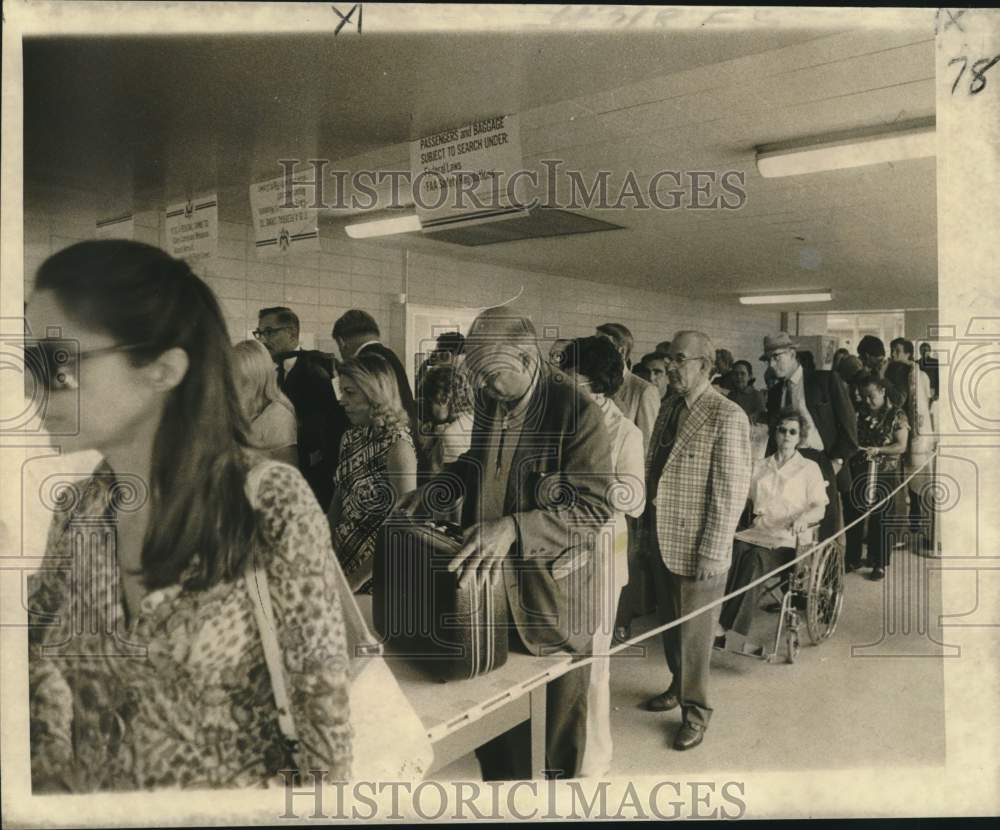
{"points": [[978, 71]]}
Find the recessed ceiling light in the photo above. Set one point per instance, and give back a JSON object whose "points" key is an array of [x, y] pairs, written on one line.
{"points": [[855, 148], [383, 227], [800, 297]]}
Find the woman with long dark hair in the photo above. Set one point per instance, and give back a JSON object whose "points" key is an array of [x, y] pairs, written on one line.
{"points": [[165, 683]]}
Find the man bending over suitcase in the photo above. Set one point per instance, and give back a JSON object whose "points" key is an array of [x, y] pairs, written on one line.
{"points": [[534, 484]]}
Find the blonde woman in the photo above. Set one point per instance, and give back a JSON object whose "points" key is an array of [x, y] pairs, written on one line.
{"points": [[377, 463], [269, 413]]}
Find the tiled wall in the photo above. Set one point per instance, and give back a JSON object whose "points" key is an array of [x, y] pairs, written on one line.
{"points": [[320, 286]]}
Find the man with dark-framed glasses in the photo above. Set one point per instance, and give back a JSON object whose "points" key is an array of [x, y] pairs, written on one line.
{"points": [[306, 377]]}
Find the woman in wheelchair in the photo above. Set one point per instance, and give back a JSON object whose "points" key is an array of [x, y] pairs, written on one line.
{"points": [[788, 494]]}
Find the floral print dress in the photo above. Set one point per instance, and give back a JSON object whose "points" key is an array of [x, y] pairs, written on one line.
{"points": [[878, 429], [180, 695]]}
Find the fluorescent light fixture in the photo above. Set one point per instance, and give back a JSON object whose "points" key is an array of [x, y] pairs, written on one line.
{"points": [[802, 297], [384, 227], [911, 140]]}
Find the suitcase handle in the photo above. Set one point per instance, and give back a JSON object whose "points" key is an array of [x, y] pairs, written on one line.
{"points": [[449, 529]]}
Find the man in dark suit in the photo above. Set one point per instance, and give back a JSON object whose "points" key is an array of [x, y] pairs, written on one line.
{"points": [[356, 331], [852, 373], [535, 483], [824, 400], [306, 377]]}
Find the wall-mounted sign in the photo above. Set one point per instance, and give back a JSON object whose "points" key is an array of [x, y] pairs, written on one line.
{"points": [[466, 172], [192, 227], [116, 227], [281, 225]]}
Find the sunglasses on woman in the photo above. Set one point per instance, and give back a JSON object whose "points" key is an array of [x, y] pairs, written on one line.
{"points": [[787, 431], [55, 364]]}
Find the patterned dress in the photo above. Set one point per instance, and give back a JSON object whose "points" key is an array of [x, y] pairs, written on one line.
{"points": [[366, 496], [180, 695], [878, 429]]}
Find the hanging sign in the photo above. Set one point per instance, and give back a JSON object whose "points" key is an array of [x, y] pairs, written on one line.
{"points": [[279, 225], [466, 173], [192, 228], [116, 227]]}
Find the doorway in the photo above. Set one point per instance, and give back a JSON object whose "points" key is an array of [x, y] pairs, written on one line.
{"points": [[424, 324]]}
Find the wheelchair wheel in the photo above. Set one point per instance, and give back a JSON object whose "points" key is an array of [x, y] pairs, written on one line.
{"points": [[826, 593]]}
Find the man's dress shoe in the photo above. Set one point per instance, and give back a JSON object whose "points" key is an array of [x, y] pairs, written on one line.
{"points": [[662, 703], [689, 736]]}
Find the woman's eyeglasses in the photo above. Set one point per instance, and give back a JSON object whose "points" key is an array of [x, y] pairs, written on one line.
{"points": [[787, 431], [55, 364]]}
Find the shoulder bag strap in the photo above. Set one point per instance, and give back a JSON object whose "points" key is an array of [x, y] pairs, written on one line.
{"points": [[255, 579], [257, 587]]}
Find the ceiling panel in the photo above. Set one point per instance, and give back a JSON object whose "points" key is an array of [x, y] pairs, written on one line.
{"points": [[145, 121]]}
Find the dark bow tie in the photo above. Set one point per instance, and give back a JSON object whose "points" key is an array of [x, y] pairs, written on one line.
{"points": [[281, 357]]}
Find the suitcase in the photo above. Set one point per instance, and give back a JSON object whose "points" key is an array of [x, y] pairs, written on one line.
{"points": [[417, 607]]}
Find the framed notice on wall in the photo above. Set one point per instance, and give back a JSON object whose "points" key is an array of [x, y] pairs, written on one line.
{"points": [[281, 219], [192, 227]]}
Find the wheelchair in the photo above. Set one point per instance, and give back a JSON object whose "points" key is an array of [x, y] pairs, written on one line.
{"points": [[815, 593], [810, 592]]}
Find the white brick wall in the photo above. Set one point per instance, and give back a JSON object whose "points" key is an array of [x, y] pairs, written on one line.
{"points": [[320, 286]]}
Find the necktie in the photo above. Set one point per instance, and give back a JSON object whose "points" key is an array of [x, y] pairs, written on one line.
{"points": [[503, 412], [661, 451], [786, 394], [279, 360]]}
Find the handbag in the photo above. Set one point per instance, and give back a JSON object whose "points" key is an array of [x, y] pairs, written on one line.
{"points": [[388, 743]]}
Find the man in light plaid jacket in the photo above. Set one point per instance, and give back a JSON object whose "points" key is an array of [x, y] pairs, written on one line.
{"points": [[697, 480]]}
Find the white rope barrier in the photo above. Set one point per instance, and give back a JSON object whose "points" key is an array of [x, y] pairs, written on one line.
{"points": [[759, 581]]}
